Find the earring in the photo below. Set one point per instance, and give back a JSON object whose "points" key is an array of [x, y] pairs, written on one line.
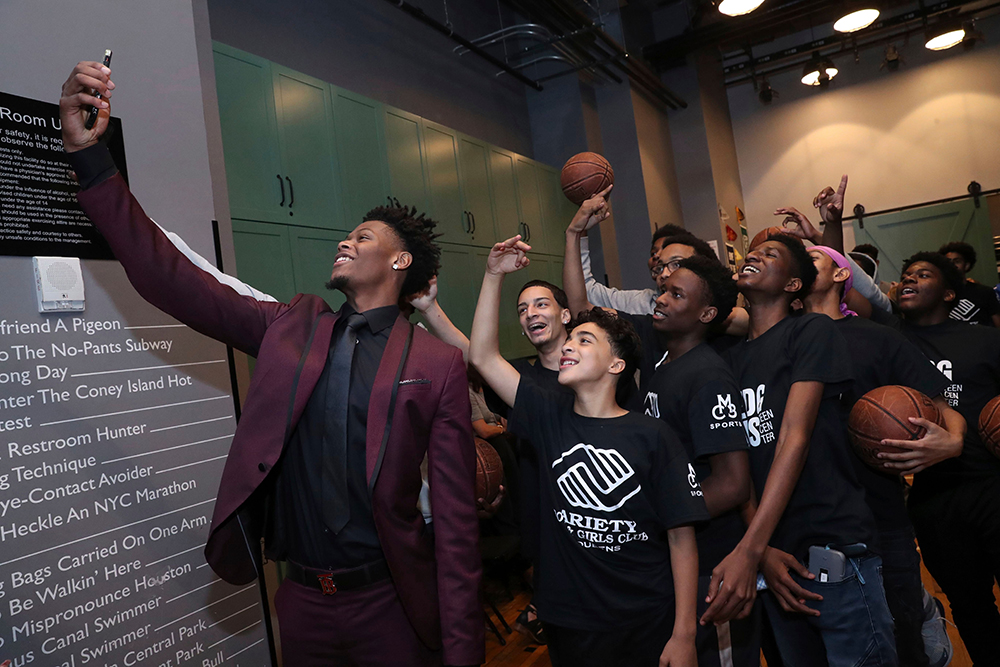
{"points": [[395, 267]]}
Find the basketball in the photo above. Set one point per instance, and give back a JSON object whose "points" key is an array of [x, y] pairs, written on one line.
{"points": [[584, 175], [489, 471], [882, 414], [763, 236], [989, 426]]}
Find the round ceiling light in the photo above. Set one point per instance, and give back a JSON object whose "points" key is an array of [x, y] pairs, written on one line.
{"points": [[738, 7], [856, 20], [945, 39]]}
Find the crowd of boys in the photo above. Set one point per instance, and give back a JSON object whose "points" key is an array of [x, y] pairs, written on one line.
{"points": [[677, 452]]}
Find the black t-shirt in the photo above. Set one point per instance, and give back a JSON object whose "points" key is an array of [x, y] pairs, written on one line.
{"points": [[970, 358], [697, 396], [608, 490], [827, 505], [881, 356], [975, 304], [653, 350]]}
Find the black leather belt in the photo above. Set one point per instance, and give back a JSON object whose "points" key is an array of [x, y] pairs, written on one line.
{"points": [[329, 582]]}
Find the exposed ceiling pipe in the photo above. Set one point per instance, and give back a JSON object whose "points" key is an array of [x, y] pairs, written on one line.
{"points": [[421, 16]]}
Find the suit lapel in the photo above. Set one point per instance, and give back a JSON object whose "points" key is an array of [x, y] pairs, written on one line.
{"points": [[311, 365], [383, 397]]}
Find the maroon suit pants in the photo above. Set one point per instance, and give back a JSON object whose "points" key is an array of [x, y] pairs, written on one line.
{"points": [[365, 627]]}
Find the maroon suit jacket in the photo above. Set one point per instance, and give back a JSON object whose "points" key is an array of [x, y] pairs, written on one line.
{"points": [[436, 577]]}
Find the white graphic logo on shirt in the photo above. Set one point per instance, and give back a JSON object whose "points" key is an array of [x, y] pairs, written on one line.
{"points": [[693, 481], [596, 479], [953, 393], [964, 311], [652, 405], [759, 423], [724, 409]]}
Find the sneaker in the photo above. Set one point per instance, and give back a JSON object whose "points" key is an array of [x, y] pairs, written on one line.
{"points": [[527, 623], [937, 644]]}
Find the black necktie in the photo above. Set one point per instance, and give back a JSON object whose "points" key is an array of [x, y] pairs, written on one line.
{"points": [[336, 508]]}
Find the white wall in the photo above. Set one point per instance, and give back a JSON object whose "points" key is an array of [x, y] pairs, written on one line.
{"points": [[918, 134]]}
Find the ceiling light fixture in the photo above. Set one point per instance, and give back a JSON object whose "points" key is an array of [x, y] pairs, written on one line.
{"points": [[856, 20], [818, 71], [738, 7], [944, 35]]}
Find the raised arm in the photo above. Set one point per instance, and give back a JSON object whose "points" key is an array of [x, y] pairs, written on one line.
{"points": [[484, 345], [593, 211], [636, 301], [437, 320], [157, 270]]}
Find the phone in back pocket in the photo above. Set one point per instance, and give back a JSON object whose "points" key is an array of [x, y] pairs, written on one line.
{"points": [[829, 565]]}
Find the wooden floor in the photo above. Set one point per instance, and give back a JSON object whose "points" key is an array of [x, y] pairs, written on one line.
{"points": [[520, 651]]}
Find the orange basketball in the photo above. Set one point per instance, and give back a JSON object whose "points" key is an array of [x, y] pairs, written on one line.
{"points": [[882, 414], [584, 175], [489, 471], [763, 235], [989, 426]]}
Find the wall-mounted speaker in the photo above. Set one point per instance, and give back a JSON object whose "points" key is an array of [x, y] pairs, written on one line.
{"points": [[58, 284]]}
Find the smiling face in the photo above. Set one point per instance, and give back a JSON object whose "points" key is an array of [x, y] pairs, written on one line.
{"points": [[365, 258], [768, 269], [542, 319], [684, 305], [922, 288], [587, 357], [667, 260]]}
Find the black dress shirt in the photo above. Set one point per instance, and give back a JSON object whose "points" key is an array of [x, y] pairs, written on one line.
{"points": [[297, 531]]}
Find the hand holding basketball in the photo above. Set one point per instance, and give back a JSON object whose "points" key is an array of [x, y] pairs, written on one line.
{"points": [[893, 420], [936, 446], [593, 211]]}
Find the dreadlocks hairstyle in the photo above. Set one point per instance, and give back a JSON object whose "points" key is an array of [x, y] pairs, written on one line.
{"points": [[621, 334], [802, 264], [687, 238], [417, 234], [967, 252], [718, 282], [950, 273], [667, 230], [557, 293]]}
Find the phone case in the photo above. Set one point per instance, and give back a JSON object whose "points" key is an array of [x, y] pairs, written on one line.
{"points": [[829, 565]]}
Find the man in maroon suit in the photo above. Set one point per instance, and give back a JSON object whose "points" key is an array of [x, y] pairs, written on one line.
{"points": [[341, 411]]}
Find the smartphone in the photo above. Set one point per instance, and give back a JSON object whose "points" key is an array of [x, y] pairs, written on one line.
{"points": [[92, 116], [829, 565]]}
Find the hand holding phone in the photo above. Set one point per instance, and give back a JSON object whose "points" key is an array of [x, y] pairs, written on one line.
{"points": [[92, 116]]}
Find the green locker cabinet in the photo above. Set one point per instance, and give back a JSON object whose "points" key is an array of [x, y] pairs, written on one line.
{"points": [[504, 187], [360, 142], [304, 111], [313, 251], [443, 186], [459, 281], [529, 204], [554, 220], [477, 194], [249, 135], [264, 258], [405, 158]]}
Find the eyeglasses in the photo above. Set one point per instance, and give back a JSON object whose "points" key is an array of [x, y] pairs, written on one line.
{"points": [[671, 266]]}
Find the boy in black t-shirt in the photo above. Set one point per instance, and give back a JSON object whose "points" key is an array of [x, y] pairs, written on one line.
{"points": [[612, 483], [974, 303], [880, 356], [792, 370], [955, 505], [694, 392]]}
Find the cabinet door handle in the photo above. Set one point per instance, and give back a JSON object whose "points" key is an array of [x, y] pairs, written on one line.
{"points": [[466, 228], [527, 231], [291, 191], [473, 216], [282, 184]]}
